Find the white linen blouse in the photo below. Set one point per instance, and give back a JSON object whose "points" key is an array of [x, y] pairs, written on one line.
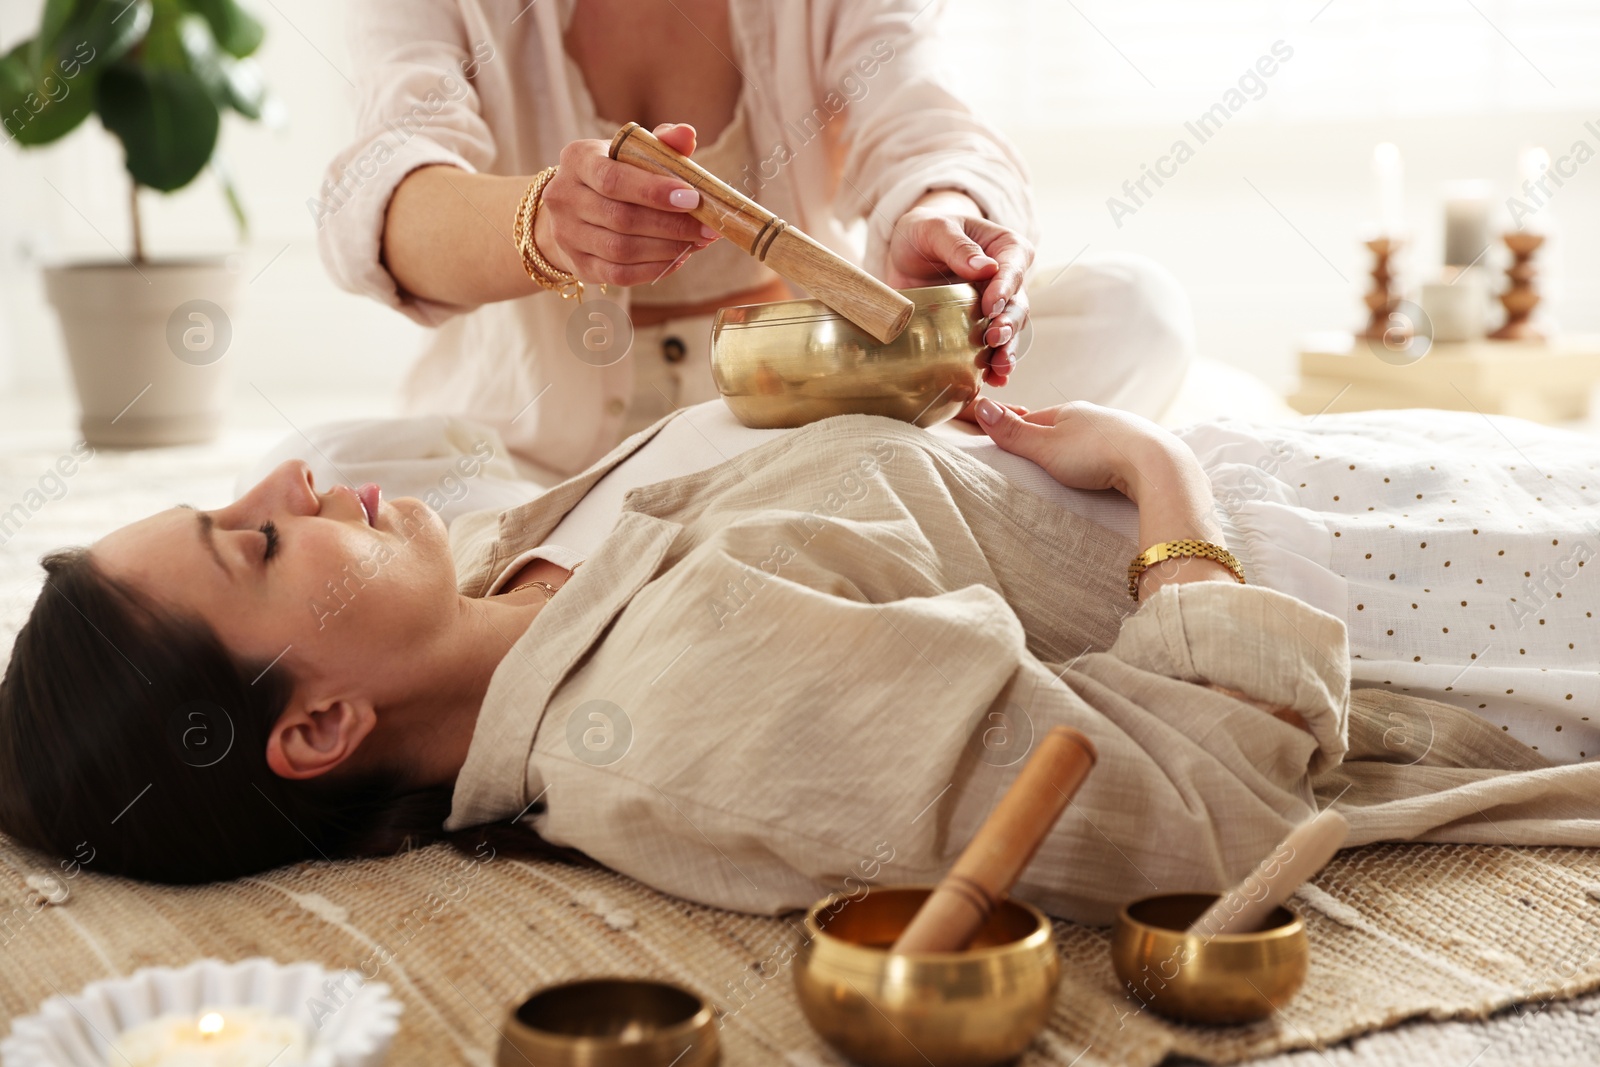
{"points": [[847, 111]]}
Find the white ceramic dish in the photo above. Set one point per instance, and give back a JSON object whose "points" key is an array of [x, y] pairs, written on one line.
{"points": [[77, 1031]]}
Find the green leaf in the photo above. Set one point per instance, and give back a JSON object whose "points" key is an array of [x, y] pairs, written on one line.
{"points": [[52, 21], [234, 83], [77, 36], [166, 120], [237, 31], [34, 110], [163, 47]]}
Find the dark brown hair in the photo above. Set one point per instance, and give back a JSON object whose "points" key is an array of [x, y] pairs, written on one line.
{"points": [[135, 736]]}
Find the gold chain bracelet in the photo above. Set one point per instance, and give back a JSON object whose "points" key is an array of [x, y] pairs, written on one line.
{"points": [[546, 274], [1179, 550]]}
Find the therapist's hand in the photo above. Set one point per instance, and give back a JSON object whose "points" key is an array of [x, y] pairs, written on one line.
{"points": [[945, 238], [612, 222]]}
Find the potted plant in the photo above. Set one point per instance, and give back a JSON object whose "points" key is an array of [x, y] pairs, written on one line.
{"points": [[145, 339]]}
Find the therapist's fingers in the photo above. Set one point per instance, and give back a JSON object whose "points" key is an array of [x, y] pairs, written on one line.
{"points": [[589, 163], [1004, 331], [593, 269], [927, 247], [1013, 256], [620, 217], [624, 248], [620, 195], [678, 136], [1005, 301], [608, 217]]}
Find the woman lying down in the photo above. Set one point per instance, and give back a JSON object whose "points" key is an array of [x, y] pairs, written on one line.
{"points": [[828, 649]]}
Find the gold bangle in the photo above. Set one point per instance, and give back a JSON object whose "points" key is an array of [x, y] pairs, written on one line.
{"points": [[1179, 550], [533, 262], [546, 274]]}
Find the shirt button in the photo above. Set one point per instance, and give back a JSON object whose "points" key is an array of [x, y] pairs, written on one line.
{"points": [[615, 406]]}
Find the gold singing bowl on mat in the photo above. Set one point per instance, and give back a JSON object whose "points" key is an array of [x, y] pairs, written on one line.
{"points": [[949, 1009], [610, 1022], [1229, 978], [793, 362]]}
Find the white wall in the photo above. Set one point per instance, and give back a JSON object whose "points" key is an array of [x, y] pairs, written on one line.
{"points": [[1257, 285], [293, 326]]}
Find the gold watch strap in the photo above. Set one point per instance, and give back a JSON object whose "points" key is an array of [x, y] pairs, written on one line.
{"points": [[1180, 550]]}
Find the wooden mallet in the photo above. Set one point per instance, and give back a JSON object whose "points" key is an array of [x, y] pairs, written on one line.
{"points": [[832, 279], [1003, 846], [1245, 908]]}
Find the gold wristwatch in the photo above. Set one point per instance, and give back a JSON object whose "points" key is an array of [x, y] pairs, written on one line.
{"points": [[1180, 550]]}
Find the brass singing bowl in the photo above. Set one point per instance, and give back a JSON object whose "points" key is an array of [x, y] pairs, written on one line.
{"points": [[793, 362], [610, 1022], [1229, 978], [948, 1009]]}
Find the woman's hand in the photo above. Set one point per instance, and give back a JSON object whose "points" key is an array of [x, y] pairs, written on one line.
{"points": [[945, 238], [612, 222], [1085, 446]]}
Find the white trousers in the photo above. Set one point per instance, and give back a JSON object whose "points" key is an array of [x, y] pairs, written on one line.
{"points": [[1116, 330]]}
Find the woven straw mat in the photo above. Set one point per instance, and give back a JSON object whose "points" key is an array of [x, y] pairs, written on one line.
{"points": [[1396, 931]]}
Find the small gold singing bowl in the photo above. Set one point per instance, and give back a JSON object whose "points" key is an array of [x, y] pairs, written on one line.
{"points": [[793, 362], [1229, 978], [948, 1009], [610, 1022]]}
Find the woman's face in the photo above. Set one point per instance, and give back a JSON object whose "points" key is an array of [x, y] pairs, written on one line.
{"points": [[305, 579]]}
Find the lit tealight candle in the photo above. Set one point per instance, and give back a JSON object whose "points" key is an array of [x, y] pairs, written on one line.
{"points": [[246, 1037]]}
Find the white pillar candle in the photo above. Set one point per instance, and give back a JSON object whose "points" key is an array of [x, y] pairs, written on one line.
{"points": [[1531, 166], [1390, 176], [234, 1036], [1466, 223]]}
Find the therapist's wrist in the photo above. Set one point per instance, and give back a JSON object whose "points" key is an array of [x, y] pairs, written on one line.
{"points": [[544, 239], [948, 202]]}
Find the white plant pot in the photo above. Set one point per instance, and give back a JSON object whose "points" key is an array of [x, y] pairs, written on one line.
{"points": [[148, 348]]}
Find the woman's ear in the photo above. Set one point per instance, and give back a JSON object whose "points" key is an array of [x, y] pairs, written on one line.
{"points": [[312, 738]]}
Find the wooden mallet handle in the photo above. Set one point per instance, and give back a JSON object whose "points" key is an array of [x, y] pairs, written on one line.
{"points": [[1245, 908], [832, 279], [1003, 847]]}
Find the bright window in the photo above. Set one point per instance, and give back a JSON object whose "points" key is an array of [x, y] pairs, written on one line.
{"points": [[1044, 63]]}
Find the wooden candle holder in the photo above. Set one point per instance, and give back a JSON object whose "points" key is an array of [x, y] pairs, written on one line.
{"points": [[1381, 300], [1522, 295], [832, 279]]}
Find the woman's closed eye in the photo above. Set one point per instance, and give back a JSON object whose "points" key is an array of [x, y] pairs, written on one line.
{"points": [[269, 530]]}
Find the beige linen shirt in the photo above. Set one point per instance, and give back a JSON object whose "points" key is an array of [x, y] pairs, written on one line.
{"points": [[849, 116], [823, 661], [837, 647]]}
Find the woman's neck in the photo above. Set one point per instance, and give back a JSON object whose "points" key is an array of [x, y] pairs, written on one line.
{"points": [[431, 730]]}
